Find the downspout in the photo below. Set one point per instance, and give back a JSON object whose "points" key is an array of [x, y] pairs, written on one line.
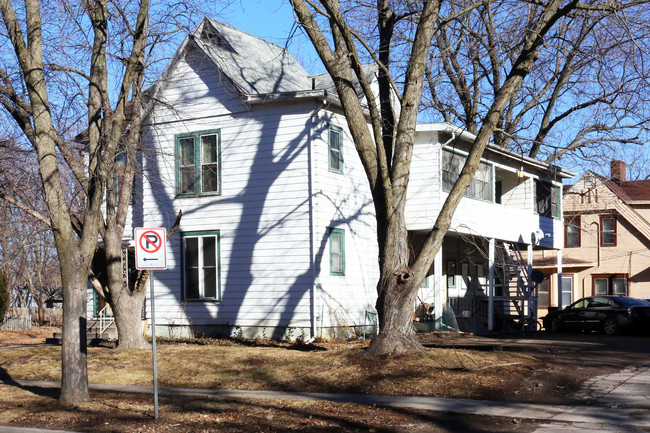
{"points": [[311, 169], [453, 137], [597, 244]]}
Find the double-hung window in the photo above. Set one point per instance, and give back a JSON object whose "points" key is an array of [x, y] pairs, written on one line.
{"points": [[337, 252], [608, 231], [481, 185], [572, 232], [198, 163], [201, 265], [335, 145]]}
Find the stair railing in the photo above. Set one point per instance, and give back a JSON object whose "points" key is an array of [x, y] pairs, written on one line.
{"points": [[104, 320]]}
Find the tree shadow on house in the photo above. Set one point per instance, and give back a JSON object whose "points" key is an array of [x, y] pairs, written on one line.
{"points": [[275, 222]]}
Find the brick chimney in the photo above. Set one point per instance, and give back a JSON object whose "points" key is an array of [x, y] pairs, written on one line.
{"points": [[618, 171]]}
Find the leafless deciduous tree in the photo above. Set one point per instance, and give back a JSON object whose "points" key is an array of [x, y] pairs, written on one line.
{"points": [[27, 252], [589, 90], [72, 67], [27, 88], [384, 138]]}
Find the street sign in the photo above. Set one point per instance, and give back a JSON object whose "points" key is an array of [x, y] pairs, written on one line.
{"points": [[150, 248]]}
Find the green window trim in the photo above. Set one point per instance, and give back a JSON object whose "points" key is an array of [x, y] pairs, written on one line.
{"points": [[200, 268], [335, 149], [198, 163], [480, 188], [337, 252]]}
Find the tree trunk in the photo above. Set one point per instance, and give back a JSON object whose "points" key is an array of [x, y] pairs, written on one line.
{"points": [[126, 303], [395, 308], [74, 354], [127, 309], [396, 291]]}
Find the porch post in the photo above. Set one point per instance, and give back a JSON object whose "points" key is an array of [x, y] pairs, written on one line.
{"points": [[559, 278], [438, 292], [491, 248]]}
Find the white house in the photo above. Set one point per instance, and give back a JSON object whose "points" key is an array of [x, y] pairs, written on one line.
{"points": [[278, 235]]}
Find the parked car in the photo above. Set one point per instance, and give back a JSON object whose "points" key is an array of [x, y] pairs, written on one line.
{"points": [[609, 314]]}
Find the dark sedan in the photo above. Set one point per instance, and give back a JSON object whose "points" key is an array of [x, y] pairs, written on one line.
{"points": [[609, 314]]}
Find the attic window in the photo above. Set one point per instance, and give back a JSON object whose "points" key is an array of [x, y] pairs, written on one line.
{"points": [[209, 34]]}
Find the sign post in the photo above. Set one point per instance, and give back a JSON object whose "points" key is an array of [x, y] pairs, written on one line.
{"points": [[150, 254]]}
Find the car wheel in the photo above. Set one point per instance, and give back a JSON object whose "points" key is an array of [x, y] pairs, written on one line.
{"points": [[610, 326], [556, 325]]}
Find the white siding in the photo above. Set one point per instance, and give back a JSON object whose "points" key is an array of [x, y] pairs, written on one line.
{"points": [[343, 201], [424, 190], [262, 213], [514, 220]]}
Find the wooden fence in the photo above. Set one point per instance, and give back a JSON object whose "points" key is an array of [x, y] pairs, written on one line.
{"points": [[21, 319]]}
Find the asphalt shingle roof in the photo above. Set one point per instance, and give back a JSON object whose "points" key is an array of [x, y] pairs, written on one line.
{"points": [[255, 66]]}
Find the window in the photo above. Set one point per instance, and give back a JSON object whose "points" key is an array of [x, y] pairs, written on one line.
{"points": [[572, 232], [547, 199], [120, 172], [567, 290], [542, 294], [335, 149], [608, 230], [198, 166], [601, 286], [610, 284], [201, 266], [481, 185], [337, 252], [425, 283], [451, 273]]}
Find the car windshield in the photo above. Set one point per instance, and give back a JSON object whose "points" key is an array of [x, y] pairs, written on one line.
{"points": [[630, 302]]}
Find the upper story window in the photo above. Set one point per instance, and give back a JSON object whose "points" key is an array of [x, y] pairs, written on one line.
{"points": [[335, 145], [481, 185], [198, 163], [547, 199], [607, 230], [572, 232], [120, 172]]}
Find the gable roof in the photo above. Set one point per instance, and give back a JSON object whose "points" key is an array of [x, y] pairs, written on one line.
{"points": [[627, 192], [630, 190], [254, 66]]}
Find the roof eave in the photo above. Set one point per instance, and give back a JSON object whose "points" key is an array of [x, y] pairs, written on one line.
{"points": [[449, 128]]}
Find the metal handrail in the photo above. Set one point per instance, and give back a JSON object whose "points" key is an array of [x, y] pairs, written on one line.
{"points": [[104, 320]]}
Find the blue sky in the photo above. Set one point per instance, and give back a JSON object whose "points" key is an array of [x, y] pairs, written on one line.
{"points": [[272, 21]]}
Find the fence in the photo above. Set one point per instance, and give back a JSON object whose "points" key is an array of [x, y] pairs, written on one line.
{"points": [[21, 319]]}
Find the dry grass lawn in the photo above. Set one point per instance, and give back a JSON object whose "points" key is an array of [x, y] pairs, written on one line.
{"points": [[231, 365], [224, 364]]}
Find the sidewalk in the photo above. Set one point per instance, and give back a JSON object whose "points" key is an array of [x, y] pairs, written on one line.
{"points": [[615, 402]]}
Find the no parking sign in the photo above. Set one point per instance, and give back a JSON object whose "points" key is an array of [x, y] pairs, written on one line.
{"points": [[150, 248]]}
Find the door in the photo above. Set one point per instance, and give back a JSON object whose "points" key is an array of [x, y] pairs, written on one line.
{"points": [[572, 317]]}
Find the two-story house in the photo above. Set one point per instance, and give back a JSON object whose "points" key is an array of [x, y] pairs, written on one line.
{"points": [[607, 240], [278, 235]]}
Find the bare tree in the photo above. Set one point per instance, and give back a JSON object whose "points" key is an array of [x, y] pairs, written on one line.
{"points": [[589, 89], [384, 138], [75, 234], [27, 252]]}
